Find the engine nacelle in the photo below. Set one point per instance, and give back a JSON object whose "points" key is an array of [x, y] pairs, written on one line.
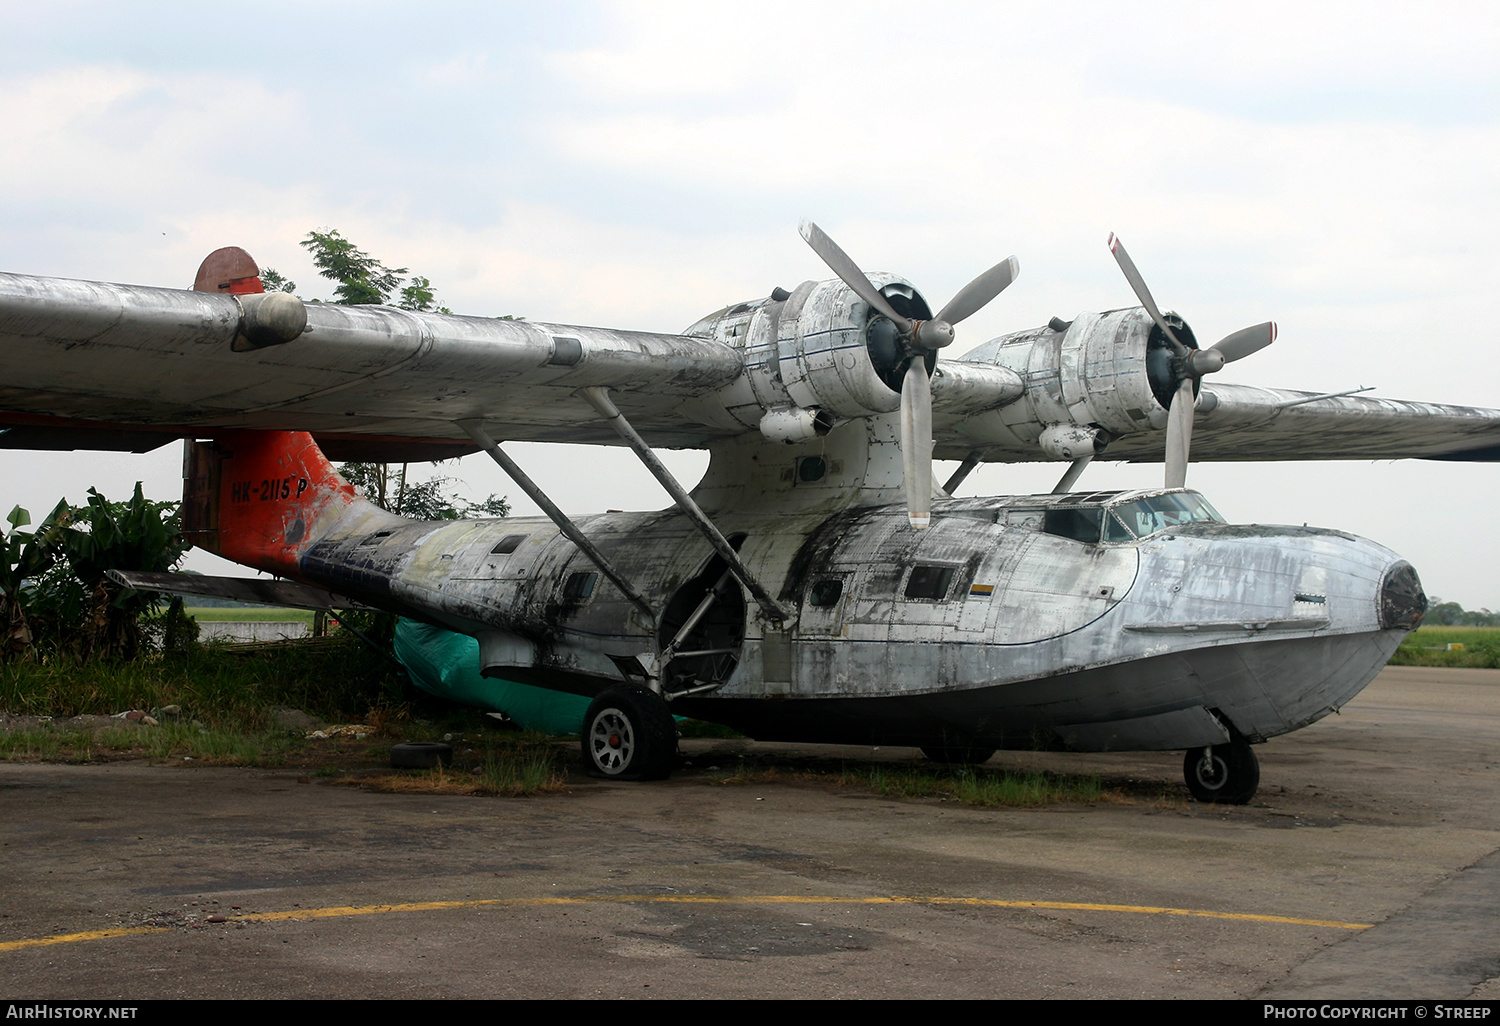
{"points": [[818, 348], [1109, 372]]}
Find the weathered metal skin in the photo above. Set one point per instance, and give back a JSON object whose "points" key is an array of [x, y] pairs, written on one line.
{"points": [[1020, 636]]}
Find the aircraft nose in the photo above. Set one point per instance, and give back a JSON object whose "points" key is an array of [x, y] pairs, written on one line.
{"points": [[1402, 601]]}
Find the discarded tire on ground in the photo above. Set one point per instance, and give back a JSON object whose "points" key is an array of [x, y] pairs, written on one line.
{"points": [[421, 754]]}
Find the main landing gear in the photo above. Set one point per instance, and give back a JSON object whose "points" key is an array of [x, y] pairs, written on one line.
{"points": [[628, 734], [1226, 774]]}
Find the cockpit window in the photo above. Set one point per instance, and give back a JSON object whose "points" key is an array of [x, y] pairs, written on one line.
{"points": [[1114, 530], [1145, 517], [1078, 524]]}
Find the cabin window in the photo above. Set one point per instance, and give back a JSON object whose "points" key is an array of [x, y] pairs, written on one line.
{"points": [[579, 586], [375, 539], [1079, 524], [507, 544], [827, 592], [929, 582], [811, 468]]}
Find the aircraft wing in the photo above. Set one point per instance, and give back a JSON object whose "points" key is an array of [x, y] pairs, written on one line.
{"points": [[93, 365], [1250, 423], [1236, 423]]}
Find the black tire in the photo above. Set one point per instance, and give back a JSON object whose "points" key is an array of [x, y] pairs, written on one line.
{"points": [[421, 754], [1226, 774], [958, 756], [628, 734]]}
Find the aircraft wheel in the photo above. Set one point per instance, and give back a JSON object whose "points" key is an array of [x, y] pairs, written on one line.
{"points": [[628, 734], [1226, 774], [958, 756]]}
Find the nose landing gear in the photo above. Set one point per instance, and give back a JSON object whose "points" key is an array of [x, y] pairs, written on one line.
{"points": [[1225, 774]]}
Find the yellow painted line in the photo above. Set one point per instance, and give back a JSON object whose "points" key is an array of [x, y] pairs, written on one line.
{"points": [[69, 938], [341, 911]]}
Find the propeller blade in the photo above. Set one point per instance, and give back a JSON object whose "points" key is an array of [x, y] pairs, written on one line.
{"points": [[1246, 341], [839, 262], [916, 443], [1141, 292], [1179, 434], [973, 296]]}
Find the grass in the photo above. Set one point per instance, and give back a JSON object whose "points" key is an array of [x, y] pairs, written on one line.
{"points": [[977, 786], [337, 682], [521, 765], [1428, 646], [970, 785], [168, 742], [48, 744], [219, 614]]}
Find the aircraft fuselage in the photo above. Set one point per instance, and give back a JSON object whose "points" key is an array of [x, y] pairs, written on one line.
{"points": [[1016, 622]]}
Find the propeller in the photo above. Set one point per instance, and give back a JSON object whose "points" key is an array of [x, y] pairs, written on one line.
{"points": [[1188, 365], [917, 339]]}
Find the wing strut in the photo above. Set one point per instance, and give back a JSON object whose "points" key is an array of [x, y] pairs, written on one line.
{"points": [[1070, 477], [475, 430], [598, 398], [964, 470]]}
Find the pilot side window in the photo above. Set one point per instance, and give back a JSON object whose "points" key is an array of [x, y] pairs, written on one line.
{"points": [[1079, 524], [929, 582]]}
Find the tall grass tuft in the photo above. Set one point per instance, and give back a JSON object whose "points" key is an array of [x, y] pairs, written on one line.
{"points": [[521, 769]]}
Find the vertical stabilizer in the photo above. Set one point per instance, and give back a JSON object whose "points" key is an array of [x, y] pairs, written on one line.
{"points": [[260, 498]]}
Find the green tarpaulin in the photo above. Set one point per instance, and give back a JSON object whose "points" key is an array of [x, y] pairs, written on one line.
{"points": [[446, 664]]}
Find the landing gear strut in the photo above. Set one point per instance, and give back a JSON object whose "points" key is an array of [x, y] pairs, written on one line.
{"points": [[1226, 774], [628, 734]]}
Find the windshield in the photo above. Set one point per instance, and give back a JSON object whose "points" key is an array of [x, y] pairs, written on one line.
{"points": [[1155, 513]]}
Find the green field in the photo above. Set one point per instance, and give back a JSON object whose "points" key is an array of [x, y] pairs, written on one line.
{"points": [[256, 614], [1428, 646]]}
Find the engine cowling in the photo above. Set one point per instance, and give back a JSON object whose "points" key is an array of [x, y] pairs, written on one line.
{"points": [[816, 355], [1105, 372]]}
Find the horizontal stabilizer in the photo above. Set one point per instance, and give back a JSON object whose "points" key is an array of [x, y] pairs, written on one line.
{"points": [[240, 589]]}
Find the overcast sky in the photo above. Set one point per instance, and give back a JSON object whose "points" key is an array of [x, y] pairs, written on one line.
{"points": [[1334, 167]]}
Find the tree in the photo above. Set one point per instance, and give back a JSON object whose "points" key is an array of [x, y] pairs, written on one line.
{"points": [[364, 280], [273, 280], [24, 555], [389, 489], [418, 296], [54, 590], [103, 618]]}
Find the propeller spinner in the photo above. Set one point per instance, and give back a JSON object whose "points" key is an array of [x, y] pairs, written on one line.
{"points": [[1188, 365], [917, 339]]}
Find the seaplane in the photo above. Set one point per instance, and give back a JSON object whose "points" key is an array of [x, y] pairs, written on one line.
{"points": [[816, 585]]}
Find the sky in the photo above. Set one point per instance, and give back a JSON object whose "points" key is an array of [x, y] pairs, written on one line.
{"points": [[1333, 167]]}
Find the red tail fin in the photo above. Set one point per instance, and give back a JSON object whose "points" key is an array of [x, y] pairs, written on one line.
{"points": [[231, 270], [261, 497]]}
